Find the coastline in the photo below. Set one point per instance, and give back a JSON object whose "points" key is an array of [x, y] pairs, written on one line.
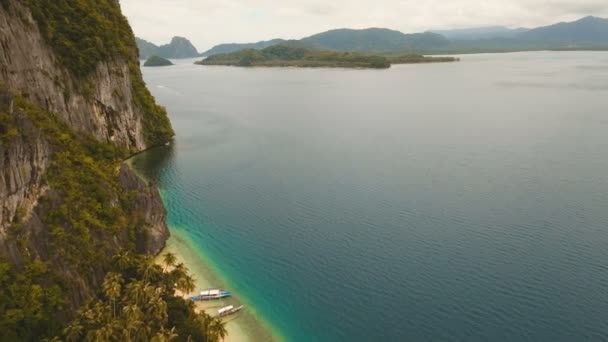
{"points": [[243, 327]]}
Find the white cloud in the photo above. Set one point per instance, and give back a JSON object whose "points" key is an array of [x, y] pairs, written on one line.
{"points": [[208, 22]]}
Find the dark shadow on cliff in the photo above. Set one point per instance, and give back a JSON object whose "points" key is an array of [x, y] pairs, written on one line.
{"points": [[150, 163]]}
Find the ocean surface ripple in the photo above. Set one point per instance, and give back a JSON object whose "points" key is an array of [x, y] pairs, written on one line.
{"points": [[454, 202]]}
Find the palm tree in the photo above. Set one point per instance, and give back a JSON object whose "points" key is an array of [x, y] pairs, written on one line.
{"points": [[103, 334], [218, 329], [157, 310], [204, 323], [123, 260], [143, 332], [112, 286], [133, 317], [136, 292], [132, 313], [165, 335], [186, 284], [73, 332], [169, 260], [148, 269], [180, 268]]}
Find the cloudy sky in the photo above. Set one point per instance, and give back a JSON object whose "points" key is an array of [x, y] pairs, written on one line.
{"points": [[210, 22]]}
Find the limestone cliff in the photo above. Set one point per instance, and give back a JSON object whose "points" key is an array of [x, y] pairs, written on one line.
{"points": [[47, 106], [101, 104]]}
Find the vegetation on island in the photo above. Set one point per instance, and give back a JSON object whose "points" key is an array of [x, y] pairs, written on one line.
{"points": [[233, 47], [156, 61], [295, 56], [291, 56], [84, 33], [416, 59]]}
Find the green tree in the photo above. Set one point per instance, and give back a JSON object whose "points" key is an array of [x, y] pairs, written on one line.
{"points": [[218, 329], [169, 260], [112, 286]]}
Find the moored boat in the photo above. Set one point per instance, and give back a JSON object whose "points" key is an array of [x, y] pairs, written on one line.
{"points": [[229, 310], [211, 294]]}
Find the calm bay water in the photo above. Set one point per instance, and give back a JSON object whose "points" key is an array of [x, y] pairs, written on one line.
{"points": [[448, 202]]}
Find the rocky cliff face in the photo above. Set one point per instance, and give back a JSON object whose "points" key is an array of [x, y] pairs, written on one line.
{"points": [[149, 205], [24, 159], [102, 105]]}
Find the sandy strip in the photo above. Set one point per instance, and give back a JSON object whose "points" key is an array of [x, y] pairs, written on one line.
{"points": [[241, 327]]}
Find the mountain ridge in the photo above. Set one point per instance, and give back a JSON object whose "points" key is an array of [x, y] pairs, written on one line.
{"points": [[588, 32], [178, 48]]}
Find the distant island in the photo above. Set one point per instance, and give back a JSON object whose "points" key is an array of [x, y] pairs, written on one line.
{"points": [[294, 56], [286, 56], [589, 33], [417, 59], [156, 61], [178, 48]]}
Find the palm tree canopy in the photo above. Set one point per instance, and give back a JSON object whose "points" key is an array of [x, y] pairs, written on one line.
{"points": [[169, 259]]}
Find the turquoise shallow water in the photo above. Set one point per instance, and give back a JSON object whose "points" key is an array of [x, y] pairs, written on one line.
{"points": [[453, 202]]}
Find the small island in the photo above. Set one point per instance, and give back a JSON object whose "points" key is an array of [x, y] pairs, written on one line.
{"points": [[296, 56], [416, 59], [293, 56], [156, 61]]}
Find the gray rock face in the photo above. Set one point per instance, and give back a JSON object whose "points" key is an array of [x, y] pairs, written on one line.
{"points": [[149, 205], [23, 161], [101, 105]]}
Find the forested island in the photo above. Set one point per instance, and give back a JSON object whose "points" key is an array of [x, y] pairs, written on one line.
{"points": [[156, 61], [417, 59], [294, 56], [290, 56]]}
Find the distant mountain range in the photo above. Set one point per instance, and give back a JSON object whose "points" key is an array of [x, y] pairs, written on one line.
{"points": [[589, 30], [586, 33], [368, 40], [179, 47], [229, 48], [478, 33]]}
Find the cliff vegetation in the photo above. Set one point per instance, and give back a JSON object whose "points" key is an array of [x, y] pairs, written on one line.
{"points": [[84, 33], [77, 227]]}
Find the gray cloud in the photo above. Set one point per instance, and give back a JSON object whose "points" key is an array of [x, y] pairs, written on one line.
{"points": [[209, 22]]}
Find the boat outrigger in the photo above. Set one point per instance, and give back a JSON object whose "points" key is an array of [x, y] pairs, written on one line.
{"points": [[211, 294], [229, 310]]}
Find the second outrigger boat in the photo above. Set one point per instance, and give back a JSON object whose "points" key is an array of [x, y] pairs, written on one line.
{"points": [[229, 310], [211, 294]]}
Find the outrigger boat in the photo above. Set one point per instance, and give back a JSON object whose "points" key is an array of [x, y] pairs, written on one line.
{"points": [[211, 294], [229, 310]]}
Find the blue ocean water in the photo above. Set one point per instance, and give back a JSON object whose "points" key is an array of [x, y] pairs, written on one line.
{"points": [[448, 202]]}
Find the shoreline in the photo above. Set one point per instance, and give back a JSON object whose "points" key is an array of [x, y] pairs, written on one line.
{"points": [[243, 327]]}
